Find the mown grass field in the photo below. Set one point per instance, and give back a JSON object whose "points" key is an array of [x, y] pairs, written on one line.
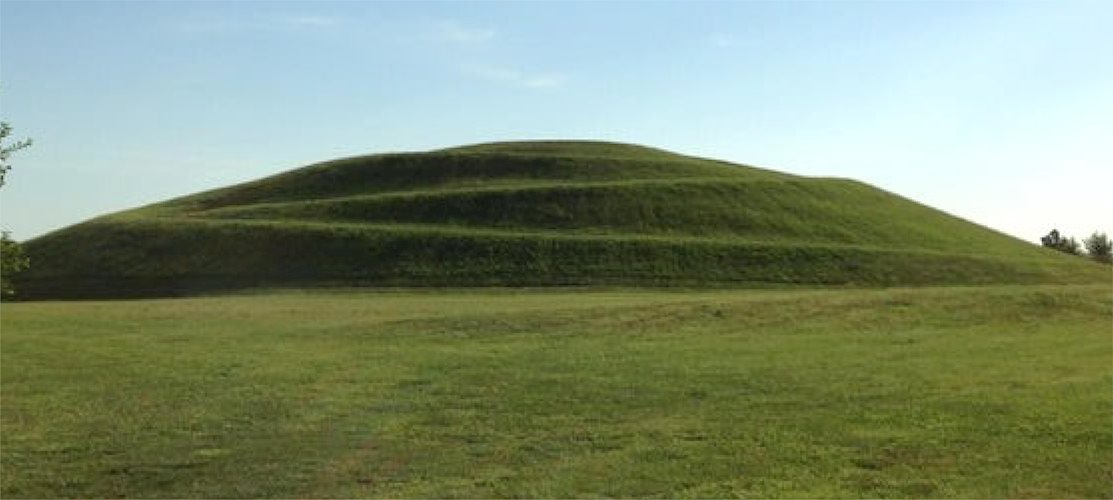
{"points": [[1002, 391]]}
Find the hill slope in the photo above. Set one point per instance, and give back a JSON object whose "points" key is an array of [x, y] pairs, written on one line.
{"points": [[531, 213]]}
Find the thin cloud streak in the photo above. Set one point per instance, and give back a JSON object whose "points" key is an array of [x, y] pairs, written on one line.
{"points": [[225, 24], [457, 33], [723, 40], [515, 77], [308, 21]]}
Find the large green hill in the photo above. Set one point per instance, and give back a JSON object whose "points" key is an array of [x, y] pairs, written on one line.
{"points": [[532, 213]]}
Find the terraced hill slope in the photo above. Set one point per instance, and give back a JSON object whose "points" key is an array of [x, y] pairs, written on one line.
{"points": [[532, 213]]}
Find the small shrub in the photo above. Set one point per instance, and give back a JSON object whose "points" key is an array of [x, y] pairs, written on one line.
{"points": [[1098, 247], [12, 261]]}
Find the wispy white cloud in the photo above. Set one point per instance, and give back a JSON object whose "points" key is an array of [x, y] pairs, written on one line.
{"points": [[219, 24], [207, 24], [516, 77], [306, 21], [457, 33], [722, 40]]}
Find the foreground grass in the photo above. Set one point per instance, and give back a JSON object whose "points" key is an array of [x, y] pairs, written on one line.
{"points": [[962, 392]]}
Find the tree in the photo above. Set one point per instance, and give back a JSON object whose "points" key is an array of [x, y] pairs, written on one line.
{"points": [[1056, 241], [6, 151], [12, 258], [1098, 247]]}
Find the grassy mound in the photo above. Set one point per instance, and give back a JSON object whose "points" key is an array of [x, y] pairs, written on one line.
{"points": [[532, 213]]}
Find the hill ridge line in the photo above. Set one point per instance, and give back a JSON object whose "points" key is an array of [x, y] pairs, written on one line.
{"points": [[541, 185], [494, 232]]}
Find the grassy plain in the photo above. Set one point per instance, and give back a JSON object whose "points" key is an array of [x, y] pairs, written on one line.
{"points": [[936, 392]]}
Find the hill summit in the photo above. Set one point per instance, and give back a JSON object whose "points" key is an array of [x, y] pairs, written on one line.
{"points": [[531, 214]]}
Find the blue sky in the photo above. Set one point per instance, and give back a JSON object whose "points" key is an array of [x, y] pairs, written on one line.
{"points": [[998, 112]]}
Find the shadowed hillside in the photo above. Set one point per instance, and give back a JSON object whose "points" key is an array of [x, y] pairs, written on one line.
{"points": [[532, 213]]}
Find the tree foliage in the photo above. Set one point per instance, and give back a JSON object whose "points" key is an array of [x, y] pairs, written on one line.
{"points": [[7, 150], [1058, 242], [12, 260], [1098, 247]]}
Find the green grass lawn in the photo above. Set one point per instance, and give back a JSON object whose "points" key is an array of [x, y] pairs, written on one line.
{"points": [[934, 392]]}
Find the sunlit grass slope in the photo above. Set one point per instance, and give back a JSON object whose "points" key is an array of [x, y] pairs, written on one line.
{"points": [[533, 213]]}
